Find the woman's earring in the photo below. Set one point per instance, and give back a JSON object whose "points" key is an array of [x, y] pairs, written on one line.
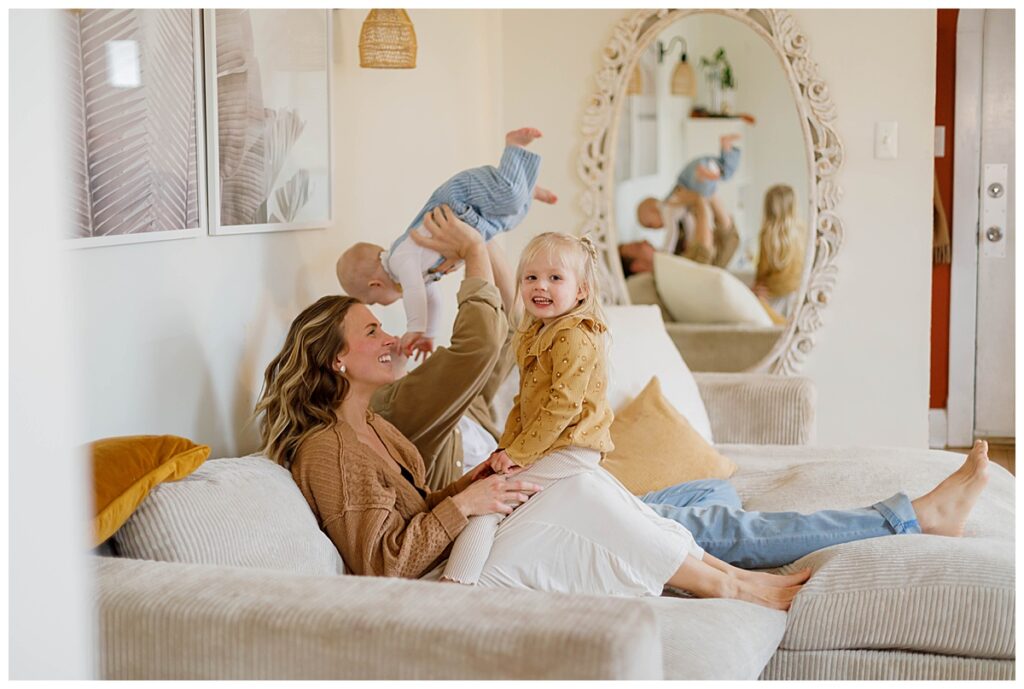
{"points": [[342, 369]]}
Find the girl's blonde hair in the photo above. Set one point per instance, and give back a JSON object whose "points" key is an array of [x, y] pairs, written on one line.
{"points": [[782, 235], [301, 389], [577, 254]]}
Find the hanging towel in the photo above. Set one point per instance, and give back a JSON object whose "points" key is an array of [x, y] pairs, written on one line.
{"points": [[941, 250]]}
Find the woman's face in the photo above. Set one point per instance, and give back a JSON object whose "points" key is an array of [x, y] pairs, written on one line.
{"points": [[368, 355]]}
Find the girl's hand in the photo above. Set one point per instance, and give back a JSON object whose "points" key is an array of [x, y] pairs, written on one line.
{"points": [[498, 463], [501, 463], [495, 494], [409, 341]]}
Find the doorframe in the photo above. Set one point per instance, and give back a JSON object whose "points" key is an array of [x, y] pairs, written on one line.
{"points": [[963, 289]]}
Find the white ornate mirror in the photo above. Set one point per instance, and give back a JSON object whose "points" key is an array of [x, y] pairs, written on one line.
{"points": [[734, 237]]}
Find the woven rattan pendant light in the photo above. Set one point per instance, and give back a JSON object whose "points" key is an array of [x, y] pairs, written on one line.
{"points": [[387, 41], [684, 81]]}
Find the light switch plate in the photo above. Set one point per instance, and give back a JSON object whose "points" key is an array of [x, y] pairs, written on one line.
{"points": [[886, 140], [940, 141]]}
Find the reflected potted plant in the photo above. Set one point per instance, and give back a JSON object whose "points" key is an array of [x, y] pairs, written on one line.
{"points": [[721, 82]]}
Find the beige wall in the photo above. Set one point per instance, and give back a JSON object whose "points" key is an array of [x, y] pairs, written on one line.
{"points": [[871, 360], [172, 337]]}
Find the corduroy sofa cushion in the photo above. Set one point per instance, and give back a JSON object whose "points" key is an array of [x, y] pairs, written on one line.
{"points": [[242, 511], [921, 593], [126, 468]]}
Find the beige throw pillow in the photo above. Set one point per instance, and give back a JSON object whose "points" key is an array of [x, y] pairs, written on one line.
{"points": [[655, 446], [697, 293]]}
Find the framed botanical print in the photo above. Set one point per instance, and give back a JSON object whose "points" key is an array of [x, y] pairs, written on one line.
{"points": [[135, 125], [268, 96]]}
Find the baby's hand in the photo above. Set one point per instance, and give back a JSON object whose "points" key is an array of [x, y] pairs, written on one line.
{"points": [[423, 347], [408, 341]]}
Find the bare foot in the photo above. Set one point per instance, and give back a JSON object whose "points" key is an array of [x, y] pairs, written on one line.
{"points": [[777, 580], [544, 195], [728, 140], [522, 137], [777, 597], [944, 510]]}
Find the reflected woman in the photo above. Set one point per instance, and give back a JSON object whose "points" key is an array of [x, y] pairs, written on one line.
{"points": [[783, 244]]}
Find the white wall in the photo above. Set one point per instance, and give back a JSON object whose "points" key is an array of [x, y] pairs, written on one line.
{"points": [[871, 359], [50, 604], [173, 337]]}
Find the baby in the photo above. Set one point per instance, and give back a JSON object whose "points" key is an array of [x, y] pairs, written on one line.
{"points": [[700, 176], [491, 199]]}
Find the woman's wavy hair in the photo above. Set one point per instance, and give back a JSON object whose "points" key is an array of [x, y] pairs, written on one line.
{"points": [[577, 254], [782, 235], [301, 390]]}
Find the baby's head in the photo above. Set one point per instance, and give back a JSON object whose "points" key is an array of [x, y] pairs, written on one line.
{"points": [[649, 213], [557, 276], [362, 276]]}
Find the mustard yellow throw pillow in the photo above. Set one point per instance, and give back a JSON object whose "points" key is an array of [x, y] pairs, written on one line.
{"points": [[656, 447], [126, 468]]}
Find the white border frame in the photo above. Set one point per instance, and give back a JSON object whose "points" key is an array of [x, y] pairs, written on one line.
{"points": [[201, 164], [824, 157], [963, 281], [212, 131]]}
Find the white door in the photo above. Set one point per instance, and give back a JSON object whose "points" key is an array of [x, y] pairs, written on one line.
{"points": [[994, 358]]}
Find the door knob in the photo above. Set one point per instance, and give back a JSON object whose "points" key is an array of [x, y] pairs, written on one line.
{"points": [[993, 234]]}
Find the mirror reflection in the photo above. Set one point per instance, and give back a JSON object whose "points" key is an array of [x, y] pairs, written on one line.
{"points": [[711, 190]]}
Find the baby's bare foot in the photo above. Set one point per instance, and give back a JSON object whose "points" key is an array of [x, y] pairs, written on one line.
{"points": [[522, 137], [944, 510], [728, 140], [544, 195], [777, 580]]}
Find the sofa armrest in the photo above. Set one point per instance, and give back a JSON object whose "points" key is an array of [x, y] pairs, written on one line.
{"points": [[161, 620], [759, 408]]}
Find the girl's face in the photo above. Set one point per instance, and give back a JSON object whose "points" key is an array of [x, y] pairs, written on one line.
{"points": [[549, 289], [368, 356]]}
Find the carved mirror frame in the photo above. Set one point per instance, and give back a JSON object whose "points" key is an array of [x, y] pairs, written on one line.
{"points": [[823, 153]]}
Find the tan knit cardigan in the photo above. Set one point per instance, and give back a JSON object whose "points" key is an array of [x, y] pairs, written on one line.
{"points": [[382, 523]]}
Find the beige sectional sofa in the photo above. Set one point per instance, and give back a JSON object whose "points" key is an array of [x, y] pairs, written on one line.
{"points": [[241, 602]]}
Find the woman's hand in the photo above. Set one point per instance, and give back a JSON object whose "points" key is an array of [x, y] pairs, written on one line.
{"points": [[495, 494]]}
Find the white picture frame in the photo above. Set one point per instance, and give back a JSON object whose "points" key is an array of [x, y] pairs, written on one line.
{"points": [[81, 164], [216, 192]]}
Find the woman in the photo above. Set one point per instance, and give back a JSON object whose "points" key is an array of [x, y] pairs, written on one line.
{"points": [[365, 481]]}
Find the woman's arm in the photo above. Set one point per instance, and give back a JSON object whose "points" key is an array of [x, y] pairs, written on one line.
{"points": [[427, 403]]}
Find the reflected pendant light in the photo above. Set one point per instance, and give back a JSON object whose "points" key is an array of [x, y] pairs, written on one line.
{"points": [[636, 83], [684, 81], [387, 41]]}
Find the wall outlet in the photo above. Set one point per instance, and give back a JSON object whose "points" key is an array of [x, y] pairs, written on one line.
{"points": [[886, 140]]}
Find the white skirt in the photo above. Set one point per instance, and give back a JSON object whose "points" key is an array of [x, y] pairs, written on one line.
{"points": [[587, 534]]}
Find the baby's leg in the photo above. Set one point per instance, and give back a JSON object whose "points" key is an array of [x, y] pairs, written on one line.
{"points": [[522, 137]]}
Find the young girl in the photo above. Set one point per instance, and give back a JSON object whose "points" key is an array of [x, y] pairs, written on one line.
{"points": [[783, 243], [559, 427]]}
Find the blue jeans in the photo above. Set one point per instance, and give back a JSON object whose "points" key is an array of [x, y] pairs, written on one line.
{"points": [[712, 511]]}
